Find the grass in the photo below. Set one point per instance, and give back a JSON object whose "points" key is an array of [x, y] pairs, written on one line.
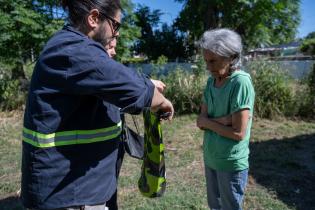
{"points": [[10, 159], [282, 169]]}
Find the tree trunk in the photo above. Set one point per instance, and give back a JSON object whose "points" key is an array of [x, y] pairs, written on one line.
{"points": [[18, 74], [211, 16], [18, 71]]}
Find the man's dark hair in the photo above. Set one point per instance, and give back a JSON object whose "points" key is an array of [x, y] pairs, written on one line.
{"points": [[79, 9]]}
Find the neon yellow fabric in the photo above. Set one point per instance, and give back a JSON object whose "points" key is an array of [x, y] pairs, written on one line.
{"points": [[152, 182], [70, 137]]}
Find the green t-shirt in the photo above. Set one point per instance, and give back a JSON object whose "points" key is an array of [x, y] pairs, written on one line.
{"points": [[221, 153]]}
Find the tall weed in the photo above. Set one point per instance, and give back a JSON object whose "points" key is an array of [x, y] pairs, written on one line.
{"points": [[11, 95], [307, 97], [184, 89], [274, 93]]}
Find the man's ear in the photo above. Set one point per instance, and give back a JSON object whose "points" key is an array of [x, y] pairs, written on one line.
{"points": [[93, 19]]}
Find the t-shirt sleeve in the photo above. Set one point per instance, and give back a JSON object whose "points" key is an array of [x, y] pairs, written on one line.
{"points": [[242, 96]]}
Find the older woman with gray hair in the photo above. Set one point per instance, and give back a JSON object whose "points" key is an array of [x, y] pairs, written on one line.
{"points": [[226, 117]]}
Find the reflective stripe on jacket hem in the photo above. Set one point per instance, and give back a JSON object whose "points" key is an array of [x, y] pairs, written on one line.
{"points": [[70, 137]]}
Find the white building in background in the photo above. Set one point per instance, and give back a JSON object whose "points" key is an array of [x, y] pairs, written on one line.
{"points": [[290, 51], [287, 56]]}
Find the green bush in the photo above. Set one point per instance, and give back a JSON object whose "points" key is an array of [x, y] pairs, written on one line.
{"points": [[277, 94], [308, 46], [158, 66], [274, 93], [11, 95], [307, 97], [185, 90]]}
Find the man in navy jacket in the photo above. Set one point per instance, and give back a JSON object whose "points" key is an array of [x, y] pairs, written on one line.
{"points": [[72, 122]]}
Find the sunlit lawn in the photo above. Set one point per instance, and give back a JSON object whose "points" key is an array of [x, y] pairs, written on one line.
{"points": [[282, 169]]}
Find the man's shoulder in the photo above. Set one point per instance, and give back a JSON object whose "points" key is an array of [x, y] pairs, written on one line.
{"points": [[72, 40]]}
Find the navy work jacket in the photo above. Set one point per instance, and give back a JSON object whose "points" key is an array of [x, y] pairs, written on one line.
{"points": [[72, 122]]}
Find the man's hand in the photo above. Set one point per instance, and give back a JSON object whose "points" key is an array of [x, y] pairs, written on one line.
{"points": [[160, 104], [159, 85], [167, 107]]}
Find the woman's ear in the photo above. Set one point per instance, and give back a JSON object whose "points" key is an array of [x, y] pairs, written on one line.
{"points": [[93, 19]]}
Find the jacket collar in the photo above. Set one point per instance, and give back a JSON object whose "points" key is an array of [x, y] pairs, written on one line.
{"points": [[68, 27]]}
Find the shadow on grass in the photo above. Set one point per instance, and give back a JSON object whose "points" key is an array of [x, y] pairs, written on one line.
{"points": [[286, 167], [11, 203]]}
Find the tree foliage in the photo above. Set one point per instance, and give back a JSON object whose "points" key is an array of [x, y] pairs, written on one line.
{"points": [[146, 20], [156, 41], [310, 35], [308, 47], [171, 43], [308, 44], [129, 32], [259, 22], [25, 27]]}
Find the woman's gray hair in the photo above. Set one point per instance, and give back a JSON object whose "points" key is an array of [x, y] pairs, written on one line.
{"points": [[223, 42]]}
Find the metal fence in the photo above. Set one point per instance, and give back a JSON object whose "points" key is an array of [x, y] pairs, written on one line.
{"points": [[298, 69]]}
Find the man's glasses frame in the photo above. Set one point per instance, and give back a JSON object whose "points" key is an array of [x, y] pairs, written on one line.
{"points": [[115, 24]]}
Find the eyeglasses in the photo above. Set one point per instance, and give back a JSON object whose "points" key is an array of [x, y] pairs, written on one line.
{"points": [[115, 24]]}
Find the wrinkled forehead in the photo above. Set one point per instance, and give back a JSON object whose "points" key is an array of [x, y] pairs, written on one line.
{"points": [[207, 54]]}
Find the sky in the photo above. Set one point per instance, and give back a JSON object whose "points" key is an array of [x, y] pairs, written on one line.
{"points": [[171, 10], [307, 24]]}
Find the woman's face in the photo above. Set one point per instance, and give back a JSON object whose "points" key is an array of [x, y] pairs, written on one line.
{"points": [[111, 47], [217, 65]]}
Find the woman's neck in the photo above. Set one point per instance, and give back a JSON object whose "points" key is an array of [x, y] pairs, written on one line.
{"points": [[219, 81]]}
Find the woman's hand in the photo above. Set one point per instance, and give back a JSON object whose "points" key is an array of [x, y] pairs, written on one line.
{"points": [[226, 120], [202, 121], [159, 85]]}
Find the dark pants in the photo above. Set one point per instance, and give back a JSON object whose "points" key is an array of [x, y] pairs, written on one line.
{"points": [[112, 202], [96, 207]]}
